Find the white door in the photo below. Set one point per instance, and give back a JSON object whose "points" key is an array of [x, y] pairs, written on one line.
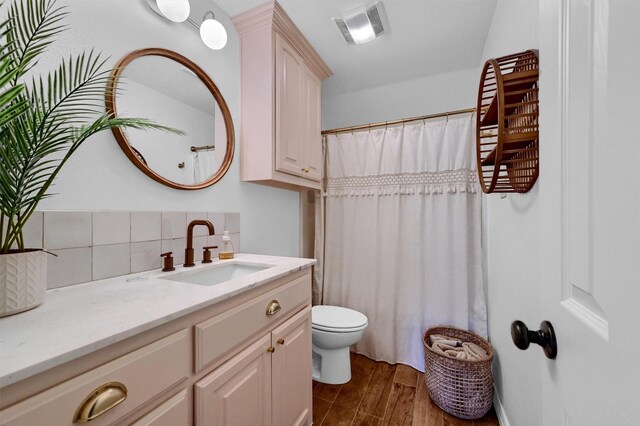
{"points": [[590, 207]]}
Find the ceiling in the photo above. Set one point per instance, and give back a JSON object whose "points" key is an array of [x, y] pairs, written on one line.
{"points": [[422, 37]]}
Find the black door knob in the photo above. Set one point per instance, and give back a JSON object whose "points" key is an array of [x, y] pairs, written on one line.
{"points": [[545, 337]]}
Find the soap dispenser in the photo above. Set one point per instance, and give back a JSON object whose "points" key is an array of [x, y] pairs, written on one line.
{"points": [[226, 251]]}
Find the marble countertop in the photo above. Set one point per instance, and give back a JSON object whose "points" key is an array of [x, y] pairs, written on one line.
{"points": [[65, 326]]}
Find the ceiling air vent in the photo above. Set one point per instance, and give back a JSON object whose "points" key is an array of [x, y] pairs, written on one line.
{"points": [[361, 25]]}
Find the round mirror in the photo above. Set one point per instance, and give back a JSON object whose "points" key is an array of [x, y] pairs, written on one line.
{"points": [[169, 89]]}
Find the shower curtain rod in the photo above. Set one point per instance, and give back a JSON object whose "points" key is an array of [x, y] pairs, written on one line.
{"points": [[394, 122]]}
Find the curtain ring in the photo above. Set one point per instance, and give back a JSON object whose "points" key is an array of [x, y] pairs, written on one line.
{"points": [[447, 117], [386, 124]]}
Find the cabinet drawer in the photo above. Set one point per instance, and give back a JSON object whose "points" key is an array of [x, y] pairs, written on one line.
{"points": [[222, 333], [144, 373], [173, 412]]}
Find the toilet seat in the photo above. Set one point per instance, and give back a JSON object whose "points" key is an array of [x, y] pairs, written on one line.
{"points": [[337, 319]]}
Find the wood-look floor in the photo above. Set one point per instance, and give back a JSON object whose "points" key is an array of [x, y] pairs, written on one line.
{"points": [[382, 394]]}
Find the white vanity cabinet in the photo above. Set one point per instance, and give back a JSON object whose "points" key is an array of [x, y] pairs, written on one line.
{"points": [[239, 392], [281, 74], [292, 396], [266, 384], [243, 361]]}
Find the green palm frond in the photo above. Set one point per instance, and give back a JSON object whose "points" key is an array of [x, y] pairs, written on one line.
{"points": [[10, 105], [45, 121], [32, 25]]}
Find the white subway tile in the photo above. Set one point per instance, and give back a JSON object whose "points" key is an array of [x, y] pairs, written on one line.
{"points": [[67, 229], [145, 256], [111, 228], [111, 261], [232, 222], [146, 226], [198, 244], [218, 221], [32, 231], [174, 225], [71, 266], [176, 246]]}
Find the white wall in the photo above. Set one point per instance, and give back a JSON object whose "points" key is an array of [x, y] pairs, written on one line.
{"points": [[101, 177], [426, 95], [511, 247]]}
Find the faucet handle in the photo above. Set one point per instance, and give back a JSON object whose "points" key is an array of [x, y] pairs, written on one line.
{"points": [[206, 256], [168, 262]]}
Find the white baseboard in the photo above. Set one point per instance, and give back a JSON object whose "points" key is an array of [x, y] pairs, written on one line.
{"points": [[500, 413]]}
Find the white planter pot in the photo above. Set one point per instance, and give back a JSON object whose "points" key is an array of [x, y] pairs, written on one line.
{"points": [[23, 281]]}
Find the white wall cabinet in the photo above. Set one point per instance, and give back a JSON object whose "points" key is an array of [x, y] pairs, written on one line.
{"points": [[281, 74], [298, 141], [232, 363]]}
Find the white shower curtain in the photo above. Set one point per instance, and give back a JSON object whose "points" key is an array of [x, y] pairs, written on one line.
{"points": [[402, 234]]}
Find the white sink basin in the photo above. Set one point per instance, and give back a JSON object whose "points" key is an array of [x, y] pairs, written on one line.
{"points": [[217, 274]]}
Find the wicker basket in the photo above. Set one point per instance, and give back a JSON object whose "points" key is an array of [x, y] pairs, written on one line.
{"points": [[460, 387]]}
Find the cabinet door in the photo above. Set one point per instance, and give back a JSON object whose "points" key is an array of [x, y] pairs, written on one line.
{"points": [[312, 142], [292, 371], [289, 108], [238, 393]]}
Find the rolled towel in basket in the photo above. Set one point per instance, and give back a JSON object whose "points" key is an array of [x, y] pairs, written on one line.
{"points": [[463, 355], [439, 338], [442, 348], [453, 353], [474, 351], [453, 347]]}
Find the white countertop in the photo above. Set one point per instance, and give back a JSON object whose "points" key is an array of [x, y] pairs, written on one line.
{"points": [[80, 319]]}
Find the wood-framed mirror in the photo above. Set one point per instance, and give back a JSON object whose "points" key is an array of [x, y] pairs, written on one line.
{"points": [[171, 90]]}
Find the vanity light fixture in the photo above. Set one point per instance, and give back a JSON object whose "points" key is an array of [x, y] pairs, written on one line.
{"points": [[361, 25], [173, 10], [212, 32]]}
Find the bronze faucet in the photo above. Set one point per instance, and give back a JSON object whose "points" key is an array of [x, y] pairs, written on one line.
{"points": [[188, 252]]}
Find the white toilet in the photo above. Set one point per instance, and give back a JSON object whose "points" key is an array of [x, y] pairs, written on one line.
{"points": [[333, 330]]}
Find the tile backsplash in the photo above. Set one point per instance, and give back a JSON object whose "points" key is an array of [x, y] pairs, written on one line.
{"points": [[104, 244]]}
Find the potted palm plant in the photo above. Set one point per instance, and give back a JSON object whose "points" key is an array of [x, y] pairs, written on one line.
{"points": [[44, 119]]}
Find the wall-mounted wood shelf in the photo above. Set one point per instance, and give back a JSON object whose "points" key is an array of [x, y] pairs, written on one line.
{"points": [[507, 123]]}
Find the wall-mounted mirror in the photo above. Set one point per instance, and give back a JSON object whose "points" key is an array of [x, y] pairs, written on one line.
{"points": [[169, 89]]}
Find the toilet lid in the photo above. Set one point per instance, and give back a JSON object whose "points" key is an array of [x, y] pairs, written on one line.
{"points": [[336, 317]]}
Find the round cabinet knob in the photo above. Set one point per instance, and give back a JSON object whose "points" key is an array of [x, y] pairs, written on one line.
{"points": [[271, 349], [281, 341], [522, 337]]}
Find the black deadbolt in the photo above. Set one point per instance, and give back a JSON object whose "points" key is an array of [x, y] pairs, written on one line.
{"points": [[545, 337]]}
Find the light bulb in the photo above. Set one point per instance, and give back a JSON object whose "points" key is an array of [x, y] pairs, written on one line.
{"points": [[174, 10], [213, 34]]}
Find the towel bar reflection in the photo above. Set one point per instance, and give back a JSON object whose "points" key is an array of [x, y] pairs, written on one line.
{"points": [[203, 148]]}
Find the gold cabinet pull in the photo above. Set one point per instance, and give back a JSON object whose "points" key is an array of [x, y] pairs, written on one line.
{"points": [[100, 401], [281, 341], [273, 307], [271, 349]]}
